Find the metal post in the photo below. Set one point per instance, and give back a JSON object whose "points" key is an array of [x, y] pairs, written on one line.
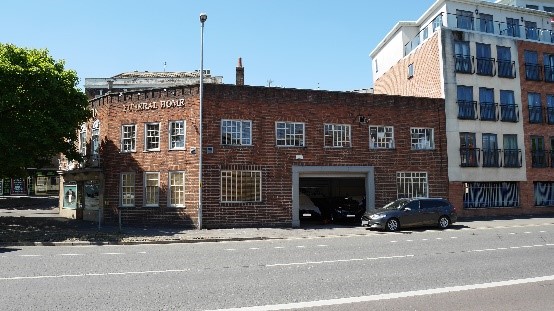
{"points": [[203, 18]]}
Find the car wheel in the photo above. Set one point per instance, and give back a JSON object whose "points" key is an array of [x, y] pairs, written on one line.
{"points": [[444, 222], [392, 225]]}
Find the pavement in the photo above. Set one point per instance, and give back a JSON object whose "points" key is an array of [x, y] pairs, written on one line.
{"points": [[34, 221]]}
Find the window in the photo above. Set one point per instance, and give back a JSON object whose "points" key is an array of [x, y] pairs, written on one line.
{"points": [[83, 140], [548, 9], [376, 66], [505, 64], [549, 67], [437, 22], [550, 109], [466, 105], [410, 70], [422, 138], [508, 107], [289, 134], [538, 155], [177, 135], [425, 33], [487, 106], [485, 62], [491, 152], [544, 193], [152, 136], [411, 184], [532, 67], [151, 188], [531, 31], [468, 152], [127, 190], [512, 155], [128, 138], [176, 189], [241, 186], [336, 135], [485, 23], [381, 137], [512, 27], [535, 107], [464, 19], [530, 6], [490, 194], [462, 57], [95, 139], [236, 132]]}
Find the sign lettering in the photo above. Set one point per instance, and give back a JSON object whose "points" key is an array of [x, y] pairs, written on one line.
{"points": [[162, 104]]}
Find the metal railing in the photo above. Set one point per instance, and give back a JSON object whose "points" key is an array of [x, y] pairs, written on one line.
{"points": [[463, 63], [469, 157], [509, 113], [467, 110], [550, 115], [506, 68], [538, 158], [548, 73], [488, 111], [485, 66], [535, 114], [512, 158], [533, 72], [491, 157]]}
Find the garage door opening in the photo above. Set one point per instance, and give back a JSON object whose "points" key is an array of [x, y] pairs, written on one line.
{"points": [[331, 200]]}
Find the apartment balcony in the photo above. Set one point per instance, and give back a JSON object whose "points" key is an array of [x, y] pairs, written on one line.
{"points": [[469, 157], [463, 63], [535, 114], [512, 158], [467, 110], [550, 115], [491, 157], [533, 72], [487, 111], [548, 73], [485, 66], [509, 113], [538, 158], [506, 69]]}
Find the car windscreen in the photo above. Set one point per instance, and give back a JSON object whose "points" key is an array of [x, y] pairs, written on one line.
{"points": [[398, 204]]}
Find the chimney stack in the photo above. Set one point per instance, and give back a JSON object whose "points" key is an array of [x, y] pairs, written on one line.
{"points": [[240, 73]]}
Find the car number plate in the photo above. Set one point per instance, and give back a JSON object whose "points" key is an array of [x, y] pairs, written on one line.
{"points": [[350, 216], [306, 215], [365, 222]]}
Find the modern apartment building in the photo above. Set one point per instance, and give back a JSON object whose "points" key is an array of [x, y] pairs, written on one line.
{"points": [[493, 63]]}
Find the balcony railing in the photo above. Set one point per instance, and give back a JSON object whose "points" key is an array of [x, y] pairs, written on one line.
{"points": [[506, 69], [463, 63], [487, 111], [92, 161], [535, 114], [548, 73], [538, 158], [533, 72], [467, 110], [491, 157], [509, 113], [512, 158], [551, 158], [485, 66], [469, 157], [550, 115]]}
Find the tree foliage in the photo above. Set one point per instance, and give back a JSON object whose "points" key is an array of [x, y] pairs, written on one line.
{"points": [[41, 109]]}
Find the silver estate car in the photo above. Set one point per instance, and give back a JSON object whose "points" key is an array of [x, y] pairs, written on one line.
{"points": [[411, 212]]}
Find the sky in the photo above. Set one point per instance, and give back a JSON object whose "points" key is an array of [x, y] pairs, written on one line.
{"points": [[303, 44]]}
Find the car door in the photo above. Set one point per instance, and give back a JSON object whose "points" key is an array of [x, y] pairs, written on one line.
{"points": [[410, 214], [429, 211]]}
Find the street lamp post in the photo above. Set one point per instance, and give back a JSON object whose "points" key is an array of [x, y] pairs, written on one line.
{"points": [[203, 18]]}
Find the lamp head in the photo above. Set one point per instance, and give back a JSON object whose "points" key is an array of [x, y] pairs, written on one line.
{"points": [[203, 17]]}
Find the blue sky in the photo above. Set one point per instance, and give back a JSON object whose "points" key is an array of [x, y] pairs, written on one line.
{"points": [[305, 44]]}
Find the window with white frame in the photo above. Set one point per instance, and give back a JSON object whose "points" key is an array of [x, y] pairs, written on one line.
{"points": [[241, 186], [236, 132], [177, 135], [151, 188], [412, 184], [422, 138], [83, 140], [289, 134], [336, 135], [152, 136], [410, 70], [177, 189], [95, 139], [128, 138], [127, 190], [381, 137]]}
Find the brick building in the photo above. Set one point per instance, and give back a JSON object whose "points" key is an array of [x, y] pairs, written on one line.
{"points": [[492, 63], [263, 148]]}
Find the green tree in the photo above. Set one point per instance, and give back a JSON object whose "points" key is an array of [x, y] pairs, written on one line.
{"points": [[41, 109]]}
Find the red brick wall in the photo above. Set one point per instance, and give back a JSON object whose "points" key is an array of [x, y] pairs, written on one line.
{"points": [[426, 81], [264, 106], [544, 129]]}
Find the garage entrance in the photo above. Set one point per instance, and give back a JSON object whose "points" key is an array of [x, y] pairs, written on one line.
{"points": [[323, 194]]}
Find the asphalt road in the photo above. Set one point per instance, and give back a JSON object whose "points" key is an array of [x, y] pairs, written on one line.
{"points": [[504, 268]]}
